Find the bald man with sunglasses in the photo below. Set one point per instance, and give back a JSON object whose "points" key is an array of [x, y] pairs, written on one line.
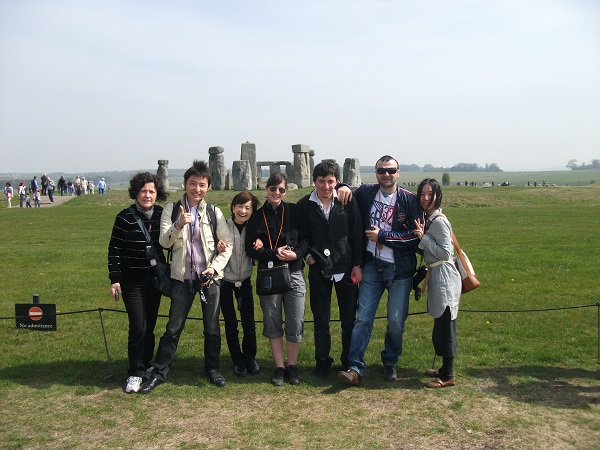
{"points": [[388, 212]]}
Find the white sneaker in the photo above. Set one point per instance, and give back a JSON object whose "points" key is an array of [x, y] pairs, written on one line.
{"points": [[133, 384]]}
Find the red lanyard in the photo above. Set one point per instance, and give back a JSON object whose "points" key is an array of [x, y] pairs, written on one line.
{"points": [[280, 227]]}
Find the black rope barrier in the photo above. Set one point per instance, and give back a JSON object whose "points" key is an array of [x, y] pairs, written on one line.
{"points": [[488, 311]]}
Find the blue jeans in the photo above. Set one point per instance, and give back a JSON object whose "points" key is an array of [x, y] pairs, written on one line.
{"points": [[181, 303], [371, 289]]}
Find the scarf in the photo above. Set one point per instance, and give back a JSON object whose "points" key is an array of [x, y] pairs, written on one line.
{"points": [[147, 213]]}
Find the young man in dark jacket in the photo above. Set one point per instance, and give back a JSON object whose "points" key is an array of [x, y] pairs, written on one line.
{"points": [[334, 257]]}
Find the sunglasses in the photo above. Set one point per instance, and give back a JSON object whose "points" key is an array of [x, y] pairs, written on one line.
{"points": [[274, 188], [389, 170]]}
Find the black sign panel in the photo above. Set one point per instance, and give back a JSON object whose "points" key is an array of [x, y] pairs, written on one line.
{"points": [[36, 316]]}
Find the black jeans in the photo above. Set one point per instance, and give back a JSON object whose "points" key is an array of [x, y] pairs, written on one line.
{"points": [[444, 335], [141, 302], [320, 304], [181, 302], [245, 303]]}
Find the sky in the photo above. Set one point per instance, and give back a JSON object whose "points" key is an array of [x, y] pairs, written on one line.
{"points": [[118, 85]]}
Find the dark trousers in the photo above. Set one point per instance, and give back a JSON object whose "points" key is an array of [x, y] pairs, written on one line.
{"points": [[182, 298], [245, 303], [320, 304], [141, 302], [444, 335]]}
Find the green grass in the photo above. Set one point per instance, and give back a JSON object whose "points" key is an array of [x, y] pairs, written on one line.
{"points": [[525, 379]]}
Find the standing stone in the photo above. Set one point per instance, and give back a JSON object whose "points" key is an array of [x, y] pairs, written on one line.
{"points": [[352, 172], [163, 172], [242, 175], [216, 162], [311, 155], [248, 153], [301, 175], [274, 168], [227, 182]]}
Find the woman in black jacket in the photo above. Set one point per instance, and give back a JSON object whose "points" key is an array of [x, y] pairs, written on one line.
{"points": [[130, 269], [276, 225]]}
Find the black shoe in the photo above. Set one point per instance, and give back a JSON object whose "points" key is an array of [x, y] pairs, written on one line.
{"points": [[323, 368], [277, 378], [216, 378], [293, 375], [253, 368], [240, 370], [389, 373], [149, 385]]}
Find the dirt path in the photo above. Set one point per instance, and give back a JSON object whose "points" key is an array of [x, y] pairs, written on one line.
{"points": [[45, 201]]}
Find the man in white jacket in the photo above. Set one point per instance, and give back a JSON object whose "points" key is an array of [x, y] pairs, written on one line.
{"points": [[195, 264]]}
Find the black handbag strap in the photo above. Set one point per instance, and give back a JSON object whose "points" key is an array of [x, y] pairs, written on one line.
{"points": [[138, 219]]}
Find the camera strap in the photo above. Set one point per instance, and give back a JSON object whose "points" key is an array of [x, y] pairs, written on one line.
{"points": [[137, 218]]}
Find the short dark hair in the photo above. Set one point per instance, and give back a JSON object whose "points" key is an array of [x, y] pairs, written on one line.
{"points": [[326, 168], [386, 158], [436, 189], [244, 197], [139, 180], [199, 169], [276, 179]]}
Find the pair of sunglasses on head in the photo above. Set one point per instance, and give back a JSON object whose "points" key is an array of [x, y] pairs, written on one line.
{"points": [[383, 170]]}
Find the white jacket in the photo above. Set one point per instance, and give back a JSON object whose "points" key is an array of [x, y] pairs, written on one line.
{"points": [[172, 237]]}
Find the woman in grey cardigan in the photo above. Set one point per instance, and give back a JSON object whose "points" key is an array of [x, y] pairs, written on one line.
{"points": [[443, 282]]}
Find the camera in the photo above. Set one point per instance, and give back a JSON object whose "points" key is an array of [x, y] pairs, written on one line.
{"points": [[205, 278], [419, 276]]}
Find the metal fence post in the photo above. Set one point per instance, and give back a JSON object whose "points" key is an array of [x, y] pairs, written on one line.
{"points": [[110, 366]]}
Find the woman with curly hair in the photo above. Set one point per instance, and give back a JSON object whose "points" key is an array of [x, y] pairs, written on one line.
{"points": [[130, 270]]}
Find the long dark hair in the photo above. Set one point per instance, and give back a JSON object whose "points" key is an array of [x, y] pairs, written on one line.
{"points": [[436, 190]]}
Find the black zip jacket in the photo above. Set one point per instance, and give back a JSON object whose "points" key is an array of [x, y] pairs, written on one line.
{"points": [[342, 235], [257, 230]]}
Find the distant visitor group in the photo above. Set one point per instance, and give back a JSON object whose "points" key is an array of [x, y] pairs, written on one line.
{"points": [[46, 186]]}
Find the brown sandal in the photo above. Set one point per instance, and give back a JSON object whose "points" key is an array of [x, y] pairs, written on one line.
{"points": [[437, 383], [433, 373]]}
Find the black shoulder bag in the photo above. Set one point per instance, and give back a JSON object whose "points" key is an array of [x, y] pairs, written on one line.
{"points": [[162, 278]]}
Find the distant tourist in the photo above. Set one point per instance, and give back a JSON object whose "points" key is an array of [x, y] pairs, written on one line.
{"points": [[36, 198], [62, 185], [77, 185], [442, 283], [50, 189], [131, 274], [44, 180], [27, 201], [22, 191], [33, 185], [101, 186], [8, 191]]}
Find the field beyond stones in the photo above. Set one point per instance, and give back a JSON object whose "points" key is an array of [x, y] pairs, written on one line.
{"points": [[527, 370]]}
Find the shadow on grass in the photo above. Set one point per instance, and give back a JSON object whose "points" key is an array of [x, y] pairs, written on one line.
{"points": [[408, 379], [95, 373], [541, 385]]}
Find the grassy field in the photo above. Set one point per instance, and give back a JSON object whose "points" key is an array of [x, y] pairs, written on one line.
{"points": [[524, 379]]}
